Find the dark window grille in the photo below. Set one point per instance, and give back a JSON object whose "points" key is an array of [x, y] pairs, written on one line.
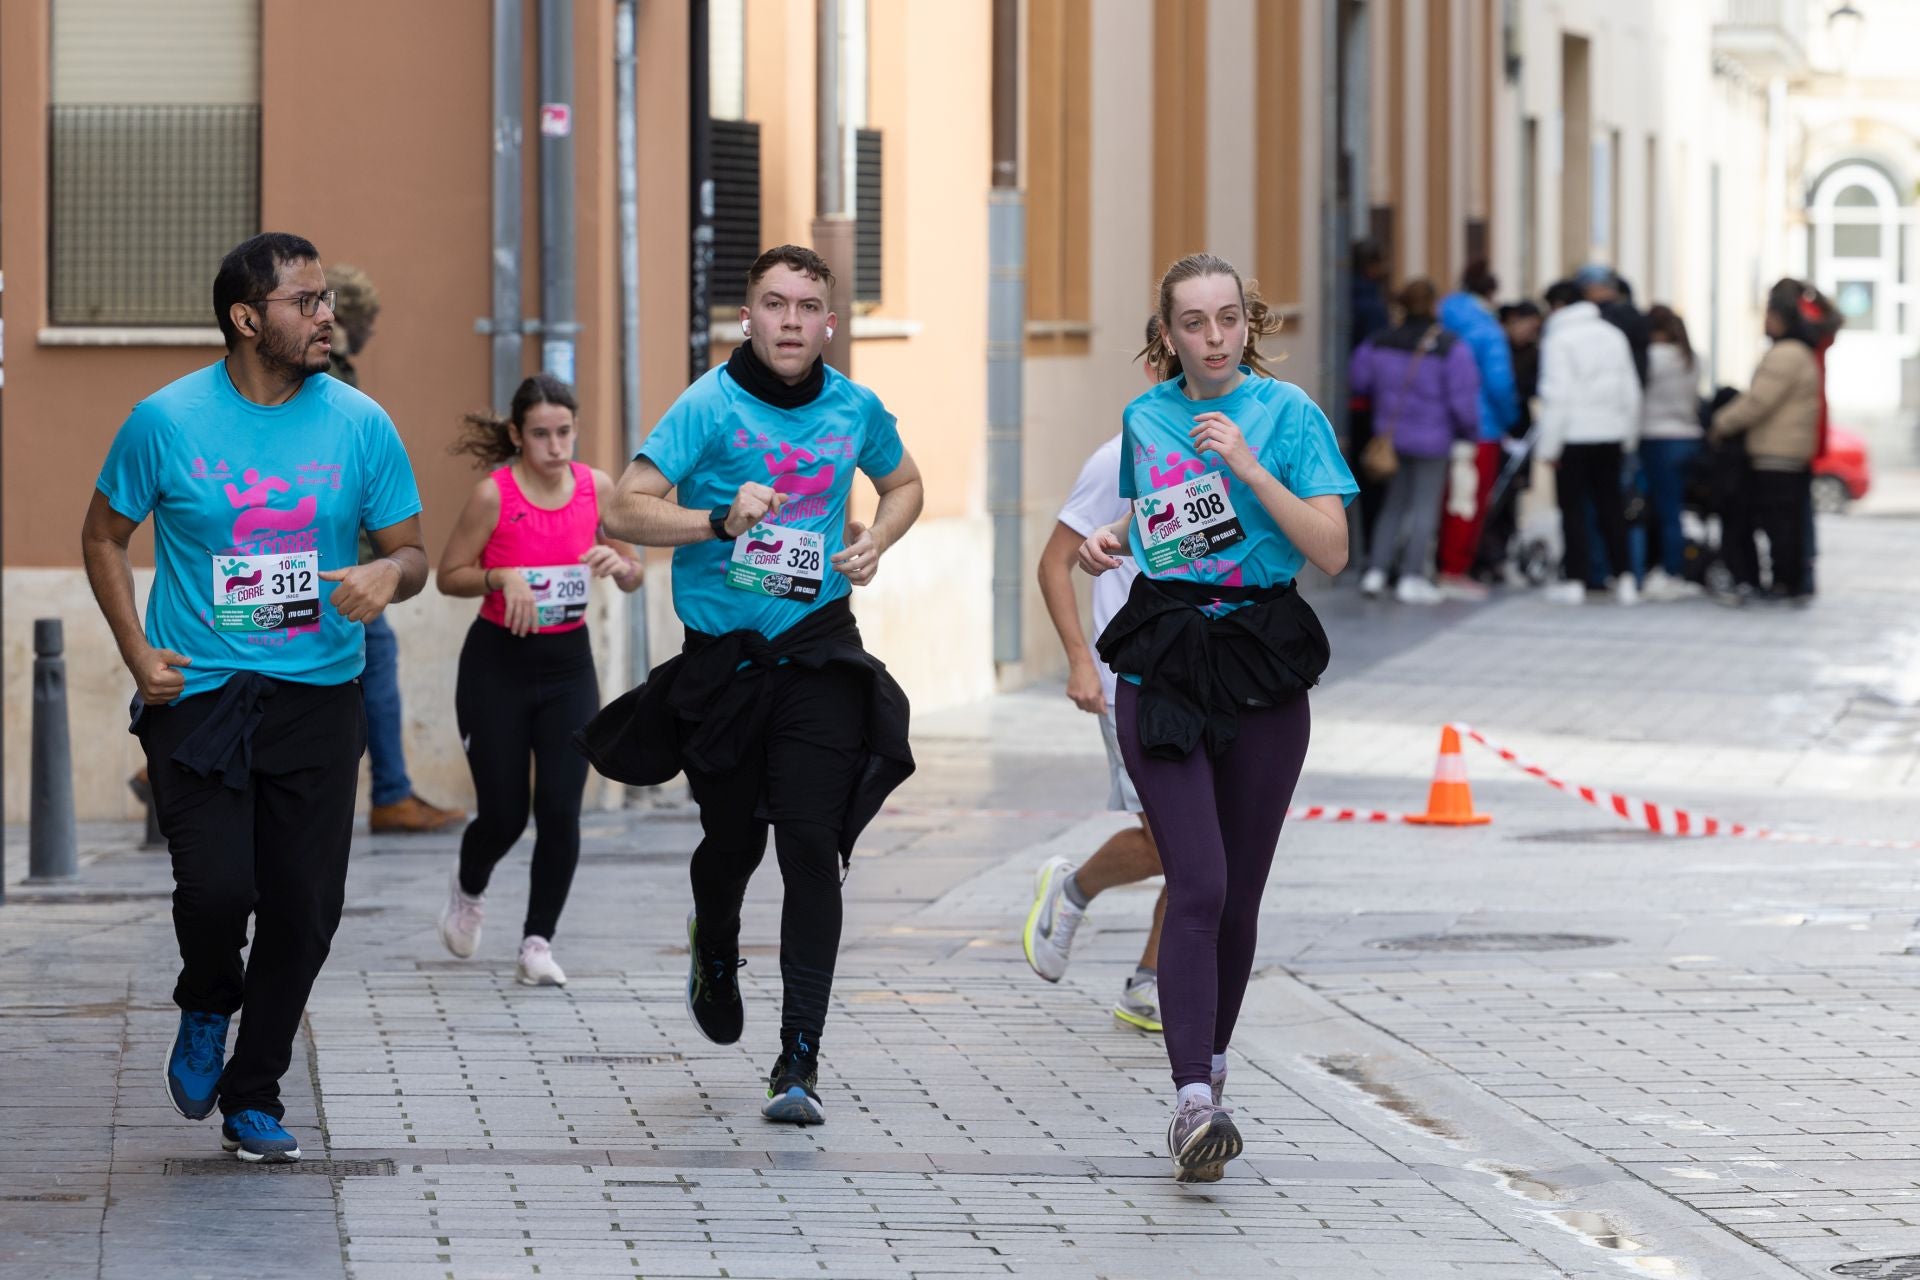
{"points": [[736, 209], [866, 208], [146, 200]]}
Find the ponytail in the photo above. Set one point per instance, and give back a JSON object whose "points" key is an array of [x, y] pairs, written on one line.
{"points": [[488, 438]]}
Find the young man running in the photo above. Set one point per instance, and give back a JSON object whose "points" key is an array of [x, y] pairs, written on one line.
{"points": [[259, 477], [1062, 891], [773, 709]]}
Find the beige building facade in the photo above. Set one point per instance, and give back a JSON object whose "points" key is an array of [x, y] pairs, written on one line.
{"points": [[1272, 132]]}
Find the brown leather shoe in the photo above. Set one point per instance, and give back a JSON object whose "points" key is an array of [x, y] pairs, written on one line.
{"points": [[411, 815]]}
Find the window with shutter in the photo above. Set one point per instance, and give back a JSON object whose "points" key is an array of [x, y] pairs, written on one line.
{"points": [[736, 208], [155, 155], [867, 214]]}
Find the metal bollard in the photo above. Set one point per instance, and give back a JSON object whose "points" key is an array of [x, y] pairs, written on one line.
{"points": [[52, 845]]}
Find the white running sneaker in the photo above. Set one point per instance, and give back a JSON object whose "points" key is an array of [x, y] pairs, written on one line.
{"points": [[1048, 937], [1218, 1081], [1565, 593], [1414, 589], [1626, 592], [1662, 587], [1455, 586], [1139, 1004], [1373, 582], [460, 919], [537, 968]]}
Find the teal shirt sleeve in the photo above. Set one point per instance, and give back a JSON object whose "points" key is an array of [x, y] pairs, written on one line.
{"points": [[681, 435], [1311, 465], [130, 477], [880, 448], [1128, 489], [390, 494]]}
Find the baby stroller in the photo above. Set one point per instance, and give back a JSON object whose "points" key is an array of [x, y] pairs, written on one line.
{"points": [[1518, 552], [1713, 485]]}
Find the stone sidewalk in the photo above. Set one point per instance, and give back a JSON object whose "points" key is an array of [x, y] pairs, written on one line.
{"points": [[1549, 1047]]}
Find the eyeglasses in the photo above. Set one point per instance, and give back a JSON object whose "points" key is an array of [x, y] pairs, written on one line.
{"points": [[309, 302]]}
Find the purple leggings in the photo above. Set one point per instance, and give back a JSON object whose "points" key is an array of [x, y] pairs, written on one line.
{"points": [[1216, 822]]}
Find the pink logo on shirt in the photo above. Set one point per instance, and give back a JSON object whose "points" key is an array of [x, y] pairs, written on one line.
{"points": [[1175, 471], [788, 478], [256, 527]]}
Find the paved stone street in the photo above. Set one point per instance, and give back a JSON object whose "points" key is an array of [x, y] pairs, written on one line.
{"points": [[1621, 1055]]}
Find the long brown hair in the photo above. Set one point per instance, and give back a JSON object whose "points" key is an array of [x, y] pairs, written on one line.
{"points": [[1664, 322], [1262, 320], [487, 437]]}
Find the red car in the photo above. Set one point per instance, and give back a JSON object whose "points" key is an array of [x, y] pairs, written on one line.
{"points": [[1840, 475]]}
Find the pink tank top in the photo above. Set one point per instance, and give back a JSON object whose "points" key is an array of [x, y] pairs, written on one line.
{"points": [[548, 546]]}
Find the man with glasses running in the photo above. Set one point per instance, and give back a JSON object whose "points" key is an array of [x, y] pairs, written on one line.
{"points": [[259, 476]]}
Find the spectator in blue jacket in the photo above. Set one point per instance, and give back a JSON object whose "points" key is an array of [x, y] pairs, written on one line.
{"points": [[1469, 314]]}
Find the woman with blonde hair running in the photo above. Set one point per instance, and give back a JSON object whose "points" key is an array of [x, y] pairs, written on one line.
{"points": [[1236, 482]]}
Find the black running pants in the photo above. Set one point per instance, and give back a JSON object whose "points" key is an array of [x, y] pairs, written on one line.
{"points": [[797, 781], [518, 700], [274, 851]]}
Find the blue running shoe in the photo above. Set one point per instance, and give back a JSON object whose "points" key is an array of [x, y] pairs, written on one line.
{"points": [[257, 1137], [791, 1085], [194, 1063]]}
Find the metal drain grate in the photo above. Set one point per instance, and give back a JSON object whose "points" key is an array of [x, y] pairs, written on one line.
{"points": [[322, 1168], [92, 897], [1492, 942], [1593, 835], [618, 1059], [1904, 1267], [46, 1197]]}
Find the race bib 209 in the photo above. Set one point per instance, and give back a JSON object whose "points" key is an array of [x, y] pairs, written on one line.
{"points": [[559, 592]]}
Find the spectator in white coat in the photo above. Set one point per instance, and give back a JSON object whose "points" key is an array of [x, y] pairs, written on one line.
{"points": [[1589, 421]]}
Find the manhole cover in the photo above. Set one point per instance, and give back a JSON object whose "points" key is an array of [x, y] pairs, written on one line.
{"points": [[1492, 942], [323, 1168], [1904, 1267]]}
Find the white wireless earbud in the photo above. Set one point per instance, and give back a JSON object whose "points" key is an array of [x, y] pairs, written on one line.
{"points": [[746, 328], [829, 333]]}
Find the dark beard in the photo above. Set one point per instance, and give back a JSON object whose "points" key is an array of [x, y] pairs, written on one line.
{"points": [[287, 357]]}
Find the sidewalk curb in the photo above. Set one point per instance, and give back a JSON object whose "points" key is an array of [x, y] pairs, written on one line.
{"points": [[1288, 1029]]}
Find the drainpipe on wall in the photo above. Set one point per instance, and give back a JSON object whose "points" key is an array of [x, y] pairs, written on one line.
{"points": [[627, 166], [1006, 336], [504, 325], [833, 218], [557, 326], [699, 190]]}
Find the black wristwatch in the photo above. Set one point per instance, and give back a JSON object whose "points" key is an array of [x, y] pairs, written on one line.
{"points": [[718, 519]]}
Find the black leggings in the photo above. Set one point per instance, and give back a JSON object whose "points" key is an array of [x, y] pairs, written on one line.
{"points": [[519, 696], [798, 780]]}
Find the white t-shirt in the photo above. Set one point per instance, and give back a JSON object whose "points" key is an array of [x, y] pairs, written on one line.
{"points": [[1096, 501]]}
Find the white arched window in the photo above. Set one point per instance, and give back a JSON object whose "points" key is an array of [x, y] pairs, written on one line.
{"points": [[1856, 221]]}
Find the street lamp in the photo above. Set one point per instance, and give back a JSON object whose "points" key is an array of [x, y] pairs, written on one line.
{"points": [[1843, 33]]}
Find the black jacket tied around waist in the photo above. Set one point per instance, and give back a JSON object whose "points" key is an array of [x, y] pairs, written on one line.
{"points": [[1198, 672]]}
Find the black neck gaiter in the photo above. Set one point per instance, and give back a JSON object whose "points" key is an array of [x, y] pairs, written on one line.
{"points": [[764, 384]]}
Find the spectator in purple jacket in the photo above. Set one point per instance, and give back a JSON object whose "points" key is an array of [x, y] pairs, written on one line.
{"points": [[1426, 393]]}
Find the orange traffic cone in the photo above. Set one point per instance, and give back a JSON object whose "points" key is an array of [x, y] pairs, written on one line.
{"points": [[1450, 800]]}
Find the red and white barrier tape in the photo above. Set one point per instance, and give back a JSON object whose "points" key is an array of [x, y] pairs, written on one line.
{"points": [[1668, 820]]}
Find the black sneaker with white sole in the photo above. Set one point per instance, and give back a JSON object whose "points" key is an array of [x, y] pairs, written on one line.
{"points": [[792, 1084], [713, 988]]}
